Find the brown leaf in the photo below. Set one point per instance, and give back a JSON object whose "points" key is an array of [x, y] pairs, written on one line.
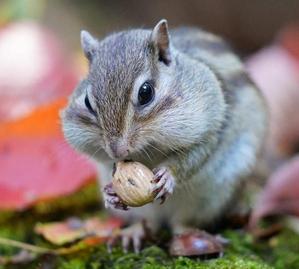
{"points": [[195, 243], [72, 229]]}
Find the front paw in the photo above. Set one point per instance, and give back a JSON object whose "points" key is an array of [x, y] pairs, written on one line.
{"points": [[165, 183], [111, 200], [132, 235]]}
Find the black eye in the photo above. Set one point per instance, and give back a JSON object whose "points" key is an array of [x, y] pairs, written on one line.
{"points": [[146, 93], [88, 105]]}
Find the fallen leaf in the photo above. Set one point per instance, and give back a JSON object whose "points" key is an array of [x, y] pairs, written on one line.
{"points": [[36, 163], [281, 194], [72, 229], [44, 121], [44, 70], [195, 243], [289, 38], [276, 72]]}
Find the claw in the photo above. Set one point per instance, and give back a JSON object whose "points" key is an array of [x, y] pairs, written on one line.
{"points": [[111, 200], [125, 243], [163, 199], [159, 184], [164, 183], [110, 243], [109, 189], [136, 244], [134, 235]]}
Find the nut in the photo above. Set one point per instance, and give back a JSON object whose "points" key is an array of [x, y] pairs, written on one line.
{"points": [[132, 182]]}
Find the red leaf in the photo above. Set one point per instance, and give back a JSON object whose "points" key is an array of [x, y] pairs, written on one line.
{"points": [[281, 194], [35, 69], [35, 161]]}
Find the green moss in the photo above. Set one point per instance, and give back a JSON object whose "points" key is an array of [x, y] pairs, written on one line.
{"points": [[156, 258], [75, 263], [228, 262], [85, 200], [282, 251], [77, 202]]}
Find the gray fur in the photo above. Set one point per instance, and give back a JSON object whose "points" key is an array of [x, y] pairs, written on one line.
{"points": [[160, 38], [89, 44], [206, 123]]}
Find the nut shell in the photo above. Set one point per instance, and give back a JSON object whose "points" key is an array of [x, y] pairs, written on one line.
{"points": [[132, 182]]}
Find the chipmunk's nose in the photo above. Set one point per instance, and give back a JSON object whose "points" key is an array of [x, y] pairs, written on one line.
{"points": [[119, 148]]}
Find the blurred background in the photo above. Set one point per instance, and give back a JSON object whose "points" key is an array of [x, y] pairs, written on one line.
{"points": [[249, 25], [41, 62]]}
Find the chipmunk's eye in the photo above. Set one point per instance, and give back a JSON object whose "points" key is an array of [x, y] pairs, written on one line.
{"points": [[146, 93], [88, 105]]}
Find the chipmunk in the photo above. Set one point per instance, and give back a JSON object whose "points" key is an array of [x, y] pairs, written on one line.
{"points": [[179, 102]]}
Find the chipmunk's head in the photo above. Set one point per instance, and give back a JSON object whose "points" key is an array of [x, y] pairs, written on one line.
{"points": [[134, 97]]}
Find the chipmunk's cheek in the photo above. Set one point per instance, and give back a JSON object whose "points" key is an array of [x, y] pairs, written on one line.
{"points": [[133, 142]]}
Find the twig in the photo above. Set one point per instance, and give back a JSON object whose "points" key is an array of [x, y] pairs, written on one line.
{"points": [[25, 246], [23, 256], [87, 242]]}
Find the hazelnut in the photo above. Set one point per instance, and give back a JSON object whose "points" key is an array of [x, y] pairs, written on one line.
{"points": [[132, 182]]}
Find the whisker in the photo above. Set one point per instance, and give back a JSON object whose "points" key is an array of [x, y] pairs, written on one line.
{"points": [[98, 149], [147, 154], [162, 152]]}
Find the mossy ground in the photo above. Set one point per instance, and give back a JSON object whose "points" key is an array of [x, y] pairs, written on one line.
{"points": [[281, 251]]}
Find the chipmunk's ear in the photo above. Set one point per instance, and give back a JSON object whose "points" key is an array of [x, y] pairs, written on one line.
{"points": [[161, 41], [88, 44]]}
